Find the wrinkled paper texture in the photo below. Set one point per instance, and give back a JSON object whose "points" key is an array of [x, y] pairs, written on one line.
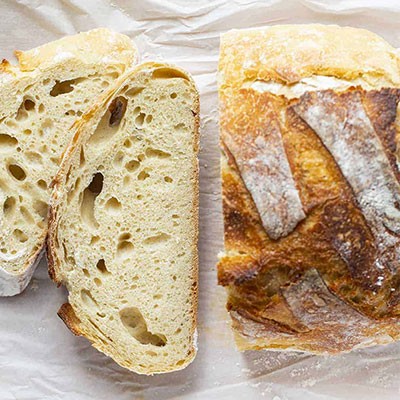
{"points": [[41, 359]]}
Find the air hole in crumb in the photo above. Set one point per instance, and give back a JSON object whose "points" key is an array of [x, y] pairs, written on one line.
{"points": [[150, 152], [82, 157], [143, 175], [173, 95], [86, 272], [94, 240], [134, 91], [117, 110], [180, 362], [180, 128], [9, 206], [41, 208], [132, 165], [101, 266], [21, 236], [97, 281], [29, 105], [7, 142], [136, 111], [168, 73], [113, 206], [136, 325], [109, 122], [17, 172], [62, 87], [139, 120], [149, 118], [124, 249], [125, 236], [151, 353], [127, 144], [168, 179], [156, 240], [88, 200]]}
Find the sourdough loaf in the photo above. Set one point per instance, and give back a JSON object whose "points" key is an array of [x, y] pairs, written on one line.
{"points": [[309, 137], [123, 222], [40, 99]]}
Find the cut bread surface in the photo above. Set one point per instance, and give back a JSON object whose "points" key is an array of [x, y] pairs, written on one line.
{"points": [[40, 99], [123, 222]]}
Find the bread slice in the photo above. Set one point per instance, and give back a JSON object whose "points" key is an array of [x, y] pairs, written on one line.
{"points": [[123, 222], [39, 100]]}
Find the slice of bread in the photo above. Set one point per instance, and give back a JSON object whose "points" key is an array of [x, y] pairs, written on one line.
{"points": [[39, 100], [124, 222]]}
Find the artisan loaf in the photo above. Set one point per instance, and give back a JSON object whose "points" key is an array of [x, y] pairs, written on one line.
{"points": [[311, 194], [123, 222], [40, 99]]}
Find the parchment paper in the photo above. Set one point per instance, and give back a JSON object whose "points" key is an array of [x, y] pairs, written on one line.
{"points": [[41, 359]]}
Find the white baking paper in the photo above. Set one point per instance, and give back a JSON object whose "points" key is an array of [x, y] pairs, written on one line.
{"points": [[41, 359]]}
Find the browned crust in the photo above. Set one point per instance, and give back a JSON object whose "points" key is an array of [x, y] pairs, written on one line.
{"points": [[273, 285], [66, 312], [5, 66], [50, 247], [289, 53], [68, 316]]}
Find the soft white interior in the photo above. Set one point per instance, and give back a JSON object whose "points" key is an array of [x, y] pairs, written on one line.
{"points": [[127, 226]]}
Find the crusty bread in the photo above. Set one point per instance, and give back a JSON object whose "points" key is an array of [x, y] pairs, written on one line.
{"points": [[40, 99], [123, 222], [310, 187]]}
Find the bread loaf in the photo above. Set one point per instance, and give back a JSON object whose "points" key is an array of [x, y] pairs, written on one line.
{"points": [[123, 222], [309, 136], [40, 99]]}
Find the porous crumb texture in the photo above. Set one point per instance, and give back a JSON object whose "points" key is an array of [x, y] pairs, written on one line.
{"points": [[124, 235], [37, 107]]}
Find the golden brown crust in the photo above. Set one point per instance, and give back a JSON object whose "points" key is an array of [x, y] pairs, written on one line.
{"points": [[67, 314], [331, 284], [289, 53]]}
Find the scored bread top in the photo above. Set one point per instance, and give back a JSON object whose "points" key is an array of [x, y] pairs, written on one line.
{"points": [[310, 187], [123, 221], [40, 99]]}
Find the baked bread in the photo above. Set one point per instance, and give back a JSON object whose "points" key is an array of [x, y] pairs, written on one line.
{"points": [[311, 194], [40, 99], [123, 222]]}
